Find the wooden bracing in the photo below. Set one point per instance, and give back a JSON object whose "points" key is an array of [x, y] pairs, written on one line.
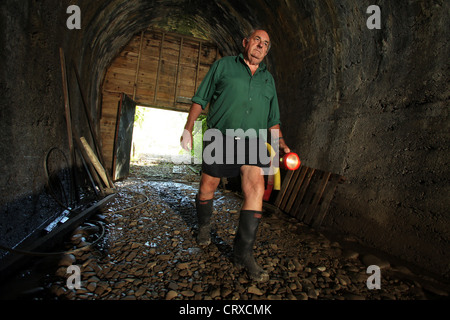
{"points": [[306, 194]]}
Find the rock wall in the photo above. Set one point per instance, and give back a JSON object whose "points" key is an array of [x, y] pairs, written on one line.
{"points": [[371, 105], [32, 114]]}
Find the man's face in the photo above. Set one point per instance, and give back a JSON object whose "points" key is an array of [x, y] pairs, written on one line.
{"points": [[257, 46]]}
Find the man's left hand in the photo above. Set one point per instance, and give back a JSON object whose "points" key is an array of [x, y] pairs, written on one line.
{"points": [[284, 149]]}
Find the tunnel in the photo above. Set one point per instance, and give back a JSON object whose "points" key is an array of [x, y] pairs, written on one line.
{"points": [[369, 104]]}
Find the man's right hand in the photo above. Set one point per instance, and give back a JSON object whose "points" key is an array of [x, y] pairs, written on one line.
{"points": [[186, 140]]}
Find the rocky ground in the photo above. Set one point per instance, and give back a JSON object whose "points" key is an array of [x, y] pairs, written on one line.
{"points": [[147, 251]]}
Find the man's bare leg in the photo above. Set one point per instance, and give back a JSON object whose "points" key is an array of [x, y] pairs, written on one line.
{"points": [[249, 219]]}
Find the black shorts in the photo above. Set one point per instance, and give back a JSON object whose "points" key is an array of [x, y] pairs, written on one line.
{"points": [[224, 159]]}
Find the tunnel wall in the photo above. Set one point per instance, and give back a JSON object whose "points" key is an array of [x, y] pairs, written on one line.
{"points": [[31, 112], [371, 105]]}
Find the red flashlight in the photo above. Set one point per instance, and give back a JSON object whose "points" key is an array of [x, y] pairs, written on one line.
{"points": [[290, 161]]}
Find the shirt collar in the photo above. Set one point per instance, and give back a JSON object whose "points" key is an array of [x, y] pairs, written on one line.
{"points": [[262, 65]]}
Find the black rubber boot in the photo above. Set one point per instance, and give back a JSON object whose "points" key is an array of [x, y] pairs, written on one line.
{"points": [[204, 212], [243, 245]]}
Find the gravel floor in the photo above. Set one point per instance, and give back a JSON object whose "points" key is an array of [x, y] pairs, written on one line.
{"points": [[149, 252]]}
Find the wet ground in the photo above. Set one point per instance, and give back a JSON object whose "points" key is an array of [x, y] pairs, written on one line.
{"points": [[145, 249]]}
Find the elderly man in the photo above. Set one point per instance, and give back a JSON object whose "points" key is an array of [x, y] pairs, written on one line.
{"points": [[242, 95]]}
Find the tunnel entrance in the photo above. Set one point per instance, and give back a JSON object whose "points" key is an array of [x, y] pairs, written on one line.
{"points": [[156, 69], [156, 134], [156, 153]]}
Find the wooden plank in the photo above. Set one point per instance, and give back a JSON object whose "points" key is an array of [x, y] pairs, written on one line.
{"points": [[108, 123], [298, 201], [177, 77], [189, 58], [109, 116], [326, 200], [311, 209], [93, 175], [307, 194], [116, 71], [66, 104], [119, 85], [180, 107], [283, 189], [159, 67], [171, 48], [308, 197], [298, 184], [94, 134], [148, 69], [74, 193], [197, 71], [289, 189], [151, 45], [208, 54], [109, 98], [98, 166], [138, 66], [123, 138]]}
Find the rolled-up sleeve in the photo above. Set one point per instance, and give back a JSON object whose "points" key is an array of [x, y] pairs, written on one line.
{"points": [[207, 87]]}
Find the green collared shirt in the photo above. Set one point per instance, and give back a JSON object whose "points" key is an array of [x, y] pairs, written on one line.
{"points": [[237, 99]]}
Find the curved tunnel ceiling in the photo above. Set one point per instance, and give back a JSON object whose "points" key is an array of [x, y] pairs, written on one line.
{"points": [[109, 25], [114, 23]]}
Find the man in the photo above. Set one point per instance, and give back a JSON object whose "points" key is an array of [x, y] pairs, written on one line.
{"points": [[242, 95]]}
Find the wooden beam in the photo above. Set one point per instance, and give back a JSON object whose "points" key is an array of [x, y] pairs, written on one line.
{"points": [[198, 66], [74, 192], [317, 196], [98, 166], [281, 193], [289, 191], [94, 134], [66, 101], [327, 197], [90, 166], [177, 80], [296, 209], [138, 66], [159, 67], [298, 183]]}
